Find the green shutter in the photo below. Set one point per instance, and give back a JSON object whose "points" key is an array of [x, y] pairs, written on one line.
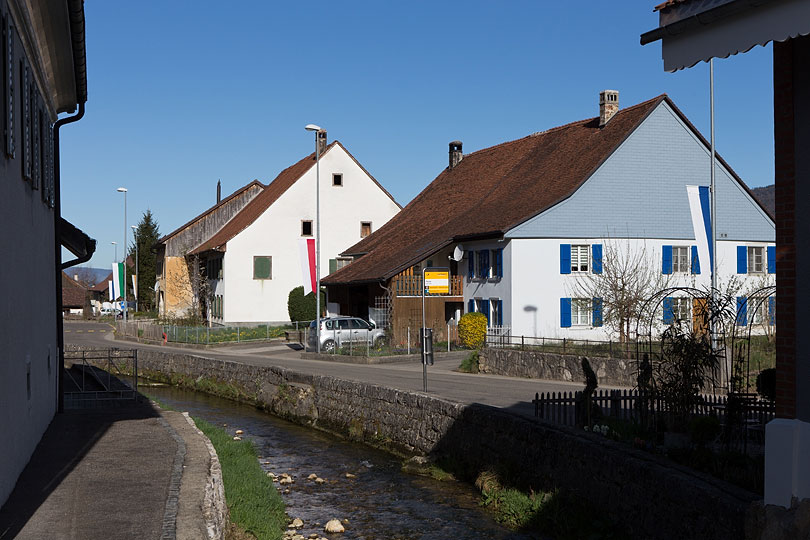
{"points": [[332, 266], [261, 268]]}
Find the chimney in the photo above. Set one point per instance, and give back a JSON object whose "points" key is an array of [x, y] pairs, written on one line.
{"points": [[219, 191], [455, 153], [608, 105], [322, 141], [75, 277]]}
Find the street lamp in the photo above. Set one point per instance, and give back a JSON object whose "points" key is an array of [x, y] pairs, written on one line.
{"points": [[124, 285], [137, 274], [317, 130]]}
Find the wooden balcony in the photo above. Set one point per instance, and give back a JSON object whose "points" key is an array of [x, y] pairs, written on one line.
{"points": [[412, 286]]}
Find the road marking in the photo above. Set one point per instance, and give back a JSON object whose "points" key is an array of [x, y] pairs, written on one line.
{"points": [[91, 330]]}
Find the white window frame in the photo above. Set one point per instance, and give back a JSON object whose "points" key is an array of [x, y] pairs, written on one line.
{"points": [[580, 253], [757, 316], [682, 308], [753, 253], [680, 259], [342, 261], [581, 312], [493, 311]]}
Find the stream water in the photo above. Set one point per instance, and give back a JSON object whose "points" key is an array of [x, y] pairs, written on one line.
{"points": [[381, 502]]}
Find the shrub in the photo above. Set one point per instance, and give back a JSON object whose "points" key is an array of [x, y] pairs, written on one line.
{"points": [[302, 308], [704, 429], [470, 363], [766, 383], [472, 330]]}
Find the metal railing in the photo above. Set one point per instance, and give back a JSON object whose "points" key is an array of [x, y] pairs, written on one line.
{"points": [[100, 375]]}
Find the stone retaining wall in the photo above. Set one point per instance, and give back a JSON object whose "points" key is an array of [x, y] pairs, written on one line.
{"points": [[648, 495], [555, 367]]}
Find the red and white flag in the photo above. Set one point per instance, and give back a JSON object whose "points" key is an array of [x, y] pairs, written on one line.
{"points": [[307, 252]]}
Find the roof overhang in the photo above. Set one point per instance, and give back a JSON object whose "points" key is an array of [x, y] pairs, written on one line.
{"points": [[75, 241], [695, 31]]}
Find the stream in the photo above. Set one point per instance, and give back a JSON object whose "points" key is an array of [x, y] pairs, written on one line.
{"points": [[381, 502]]}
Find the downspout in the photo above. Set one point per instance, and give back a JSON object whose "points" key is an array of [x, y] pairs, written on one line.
{"points": [[57, 212]]}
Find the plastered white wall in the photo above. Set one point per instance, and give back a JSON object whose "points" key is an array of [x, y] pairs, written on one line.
{"points": [[276, 233]]}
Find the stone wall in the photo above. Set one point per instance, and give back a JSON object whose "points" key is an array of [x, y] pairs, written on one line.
{"points": [[555, 367], [648, 495]]}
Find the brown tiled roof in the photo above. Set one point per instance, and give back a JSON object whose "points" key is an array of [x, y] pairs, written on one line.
{"points": [[202, 215], [73, 293], [489, 192], [271, 193]]}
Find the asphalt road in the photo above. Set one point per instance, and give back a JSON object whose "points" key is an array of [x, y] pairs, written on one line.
{"points": [[510, 393]]}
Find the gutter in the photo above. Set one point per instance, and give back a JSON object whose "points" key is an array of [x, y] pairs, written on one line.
{"points": [[704, 18], [57, 227]]}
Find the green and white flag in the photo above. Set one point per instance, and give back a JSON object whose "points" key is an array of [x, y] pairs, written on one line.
{"points": [[118, 279]]}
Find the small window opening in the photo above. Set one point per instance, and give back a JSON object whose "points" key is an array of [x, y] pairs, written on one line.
{"points": [[306, 228], [337, 179], [365, 228]]}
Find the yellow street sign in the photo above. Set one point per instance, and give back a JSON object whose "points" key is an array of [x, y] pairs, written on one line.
{"points": [[437, 281]]}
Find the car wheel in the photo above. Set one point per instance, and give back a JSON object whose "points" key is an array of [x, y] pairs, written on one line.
{"points": [[328, 346]]}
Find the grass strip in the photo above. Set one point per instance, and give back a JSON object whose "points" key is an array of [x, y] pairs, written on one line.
{"points": [[253, 501]]}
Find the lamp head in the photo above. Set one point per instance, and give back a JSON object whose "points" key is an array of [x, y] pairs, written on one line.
{"points": [[312, 127], [114, 243], [121, 190]]}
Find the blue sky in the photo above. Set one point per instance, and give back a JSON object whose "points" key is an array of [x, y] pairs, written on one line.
{"points": [[183, 93]]}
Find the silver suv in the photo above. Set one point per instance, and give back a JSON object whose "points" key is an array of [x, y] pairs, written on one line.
{"points": [[343, 331]]}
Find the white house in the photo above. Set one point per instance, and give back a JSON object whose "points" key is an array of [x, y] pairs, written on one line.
{"points": [[535, 217], [252, 261], [44, 69]]}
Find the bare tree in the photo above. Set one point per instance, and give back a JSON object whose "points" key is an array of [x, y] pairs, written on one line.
{"points": [[629, 277]]}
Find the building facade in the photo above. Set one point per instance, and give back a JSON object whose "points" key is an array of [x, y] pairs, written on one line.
{"points": [[43, 75]]}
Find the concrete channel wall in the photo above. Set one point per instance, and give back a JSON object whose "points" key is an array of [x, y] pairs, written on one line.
{"points": [[650, 496]]}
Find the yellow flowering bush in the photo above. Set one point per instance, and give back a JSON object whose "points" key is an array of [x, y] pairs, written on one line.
{"points": [[472, 330]]}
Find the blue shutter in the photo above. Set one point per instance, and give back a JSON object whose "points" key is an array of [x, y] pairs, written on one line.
{"points": [[499, 262], [666, 259], [565, 259], [597, 312], [695, 261], [500, 312], [485, 310], [669, 315], [565, 312], [596, 255], [742, 310], [771, 259], [742, 260], [470, 264], [471, 306], [484, 270], [771, 310]]}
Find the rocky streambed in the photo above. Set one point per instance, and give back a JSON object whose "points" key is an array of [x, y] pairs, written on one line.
{"points": [[329, 484]]}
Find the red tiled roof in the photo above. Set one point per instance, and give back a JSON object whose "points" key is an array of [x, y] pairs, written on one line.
{"points": [[491, 191], [74, 294], [271, 193], [202, 215]]}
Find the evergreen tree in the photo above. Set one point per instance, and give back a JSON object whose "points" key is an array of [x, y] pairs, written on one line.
{"points": [[146, 236]]}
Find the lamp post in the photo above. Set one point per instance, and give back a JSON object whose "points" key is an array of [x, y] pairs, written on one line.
{"points": [[124, 262], [317, 130], [116, 251], [137, 274]]}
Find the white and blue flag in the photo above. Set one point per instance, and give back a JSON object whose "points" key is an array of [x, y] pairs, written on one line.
{"points": [[700, 208]]}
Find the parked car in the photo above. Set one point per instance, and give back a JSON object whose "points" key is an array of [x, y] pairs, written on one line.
{"points": [[343, 331]]}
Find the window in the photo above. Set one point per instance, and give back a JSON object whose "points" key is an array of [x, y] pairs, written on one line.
{"points": [[581, 311], [337, 179], [680, 259], [579, 258], [337, 264], [213, 268], [496, 256], [756, 263], [306, 228], [681, 309], [496, 311], [758, 312], [484, 270], [262, 267], [365, 228]]}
